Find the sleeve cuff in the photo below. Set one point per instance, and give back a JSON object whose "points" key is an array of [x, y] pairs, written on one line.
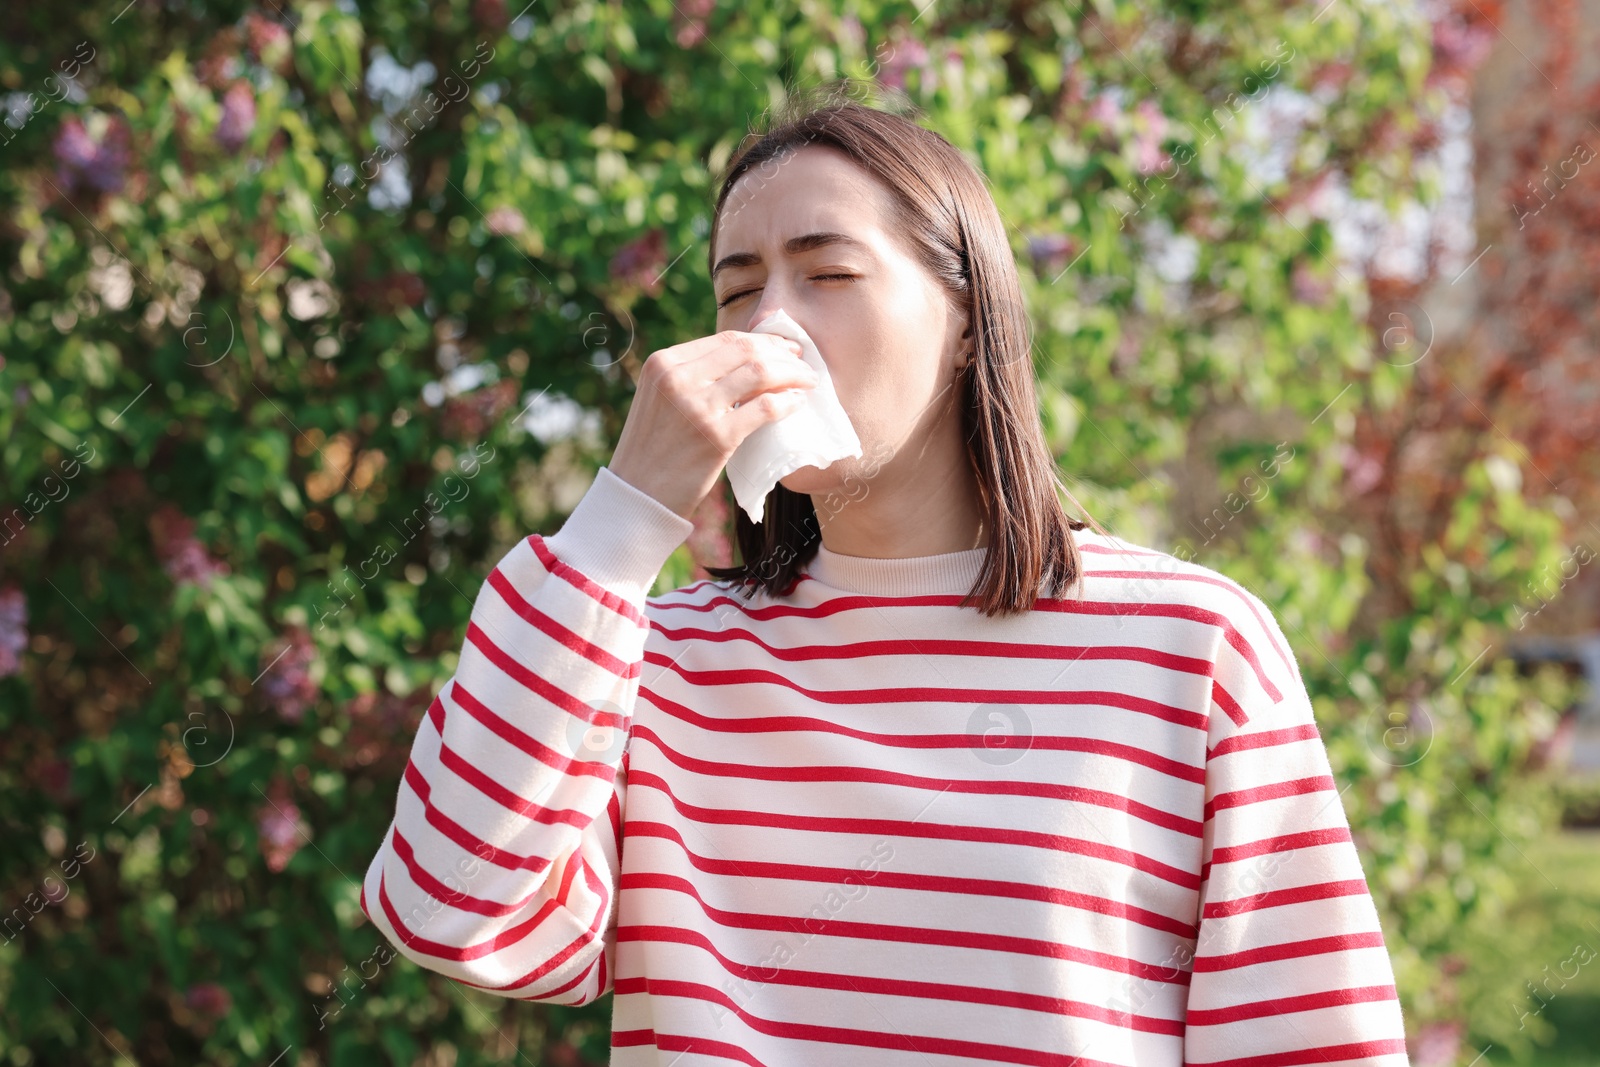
{"points": [[619, 536]]}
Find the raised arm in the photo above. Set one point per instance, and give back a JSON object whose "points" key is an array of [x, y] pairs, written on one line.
{"points": [[499, 869]]}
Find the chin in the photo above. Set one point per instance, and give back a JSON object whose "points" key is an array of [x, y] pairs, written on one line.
{"points": [[813, 480]]}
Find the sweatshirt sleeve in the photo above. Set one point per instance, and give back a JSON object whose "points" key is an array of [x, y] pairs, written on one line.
{"points": [[499, 869], [1290, 965]]}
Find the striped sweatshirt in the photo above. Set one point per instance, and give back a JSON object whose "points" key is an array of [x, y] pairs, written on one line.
{"points": [[858, 824]]}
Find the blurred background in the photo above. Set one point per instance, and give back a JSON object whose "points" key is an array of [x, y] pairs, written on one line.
{"points": [[311, 310]]}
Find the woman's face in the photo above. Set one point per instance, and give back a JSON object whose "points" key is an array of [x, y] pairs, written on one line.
{"points": [[882, 324]]}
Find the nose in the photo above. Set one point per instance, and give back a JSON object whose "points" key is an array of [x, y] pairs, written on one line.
{"points": [[763, 313], [772, 300]]}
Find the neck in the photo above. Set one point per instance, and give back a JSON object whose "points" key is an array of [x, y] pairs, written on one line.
{"points": [[900, 516]]}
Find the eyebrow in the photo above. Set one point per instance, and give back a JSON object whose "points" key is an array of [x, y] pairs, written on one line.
{"points": [[793, 246]]}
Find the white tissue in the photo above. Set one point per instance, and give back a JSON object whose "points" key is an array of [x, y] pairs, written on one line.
{"points": [[816, 434]]}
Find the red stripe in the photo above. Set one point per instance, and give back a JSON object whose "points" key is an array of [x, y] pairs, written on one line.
{"points": [[530, 681], [839, 1035], [1228, 704], [1265, 739], [1175, 611], [895, 987], [1225, 583], [924, 694], [1292, 950], [505, 938], [590, 936], [684, 595], [1239, 798], [525, 742], [506, 798], [1039, 790], [914, 935], [571, 983], [1288, 844], [1277, 898], [1332, 998], [934, 883], [574, 865], [839, 604], [614, 813], [928, 830], [458, 833], [578, 580], [934, 646], [566, 638], [458, 899], [1323, 1054], [761, 724], [700, 1046]]}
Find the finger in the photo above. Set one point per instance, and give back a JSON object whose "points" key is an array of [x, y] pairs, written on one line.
{"points": [[747, 381], [731, 348], [747, 417]]}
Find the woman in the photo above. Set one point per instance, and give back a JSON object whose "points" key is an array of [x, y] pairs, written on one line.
{"points": [[938, 775]]}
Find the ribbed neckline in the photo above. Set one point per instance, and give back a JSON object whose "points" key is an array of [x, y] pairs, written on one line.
{"points": [[947, 572]]}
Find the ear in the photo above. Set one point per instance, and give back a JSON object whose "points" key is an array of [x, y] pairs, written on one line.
{"points": [[964, 345]]}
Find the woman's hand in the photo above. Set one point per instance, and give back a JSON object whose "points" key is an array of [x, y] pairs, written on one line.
{"points": [[697, 402]]}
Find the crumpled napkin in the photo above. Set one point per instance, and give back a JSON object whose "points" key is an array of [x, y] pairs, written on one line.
{"points": [[814, 435]]}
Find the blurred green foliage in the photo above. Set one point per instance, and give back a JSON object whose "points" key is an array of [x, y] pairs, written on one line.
{"points": [[311, 311]]}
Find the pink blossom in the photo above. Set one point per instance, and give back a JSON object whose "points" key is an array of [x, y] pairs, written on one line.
{"points": [[851, 30], [694, 14], [491, 15], [904, 56], [1152, 128], [268, 40], [1438, 1044], [279, 827], [1309, 287], [1462, 45], [286, 681], [506, 219], [1103, 110], [1050, 251], [13, 629], [90, 163], [183, 557], [208, 999], [238, 116], [55, 778], [1361, 472], [640, 261]]}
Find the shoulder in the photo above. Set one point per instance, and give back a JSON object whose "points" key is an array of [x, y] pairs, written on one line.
{"points": [[1140, 580], [703, 603]]}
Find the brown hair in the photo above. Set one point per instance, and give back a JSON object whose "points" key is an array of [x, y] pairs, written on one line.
{"points": [[954, 229]]}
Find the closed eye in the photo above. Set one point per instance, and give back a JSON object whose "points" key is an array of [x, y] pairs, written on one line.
{"points": [[731, 297]]}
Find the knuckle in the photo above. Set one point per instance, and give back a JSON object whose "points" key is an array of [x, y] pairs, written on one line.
{"points": [[668, 375], [659, 364]]}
